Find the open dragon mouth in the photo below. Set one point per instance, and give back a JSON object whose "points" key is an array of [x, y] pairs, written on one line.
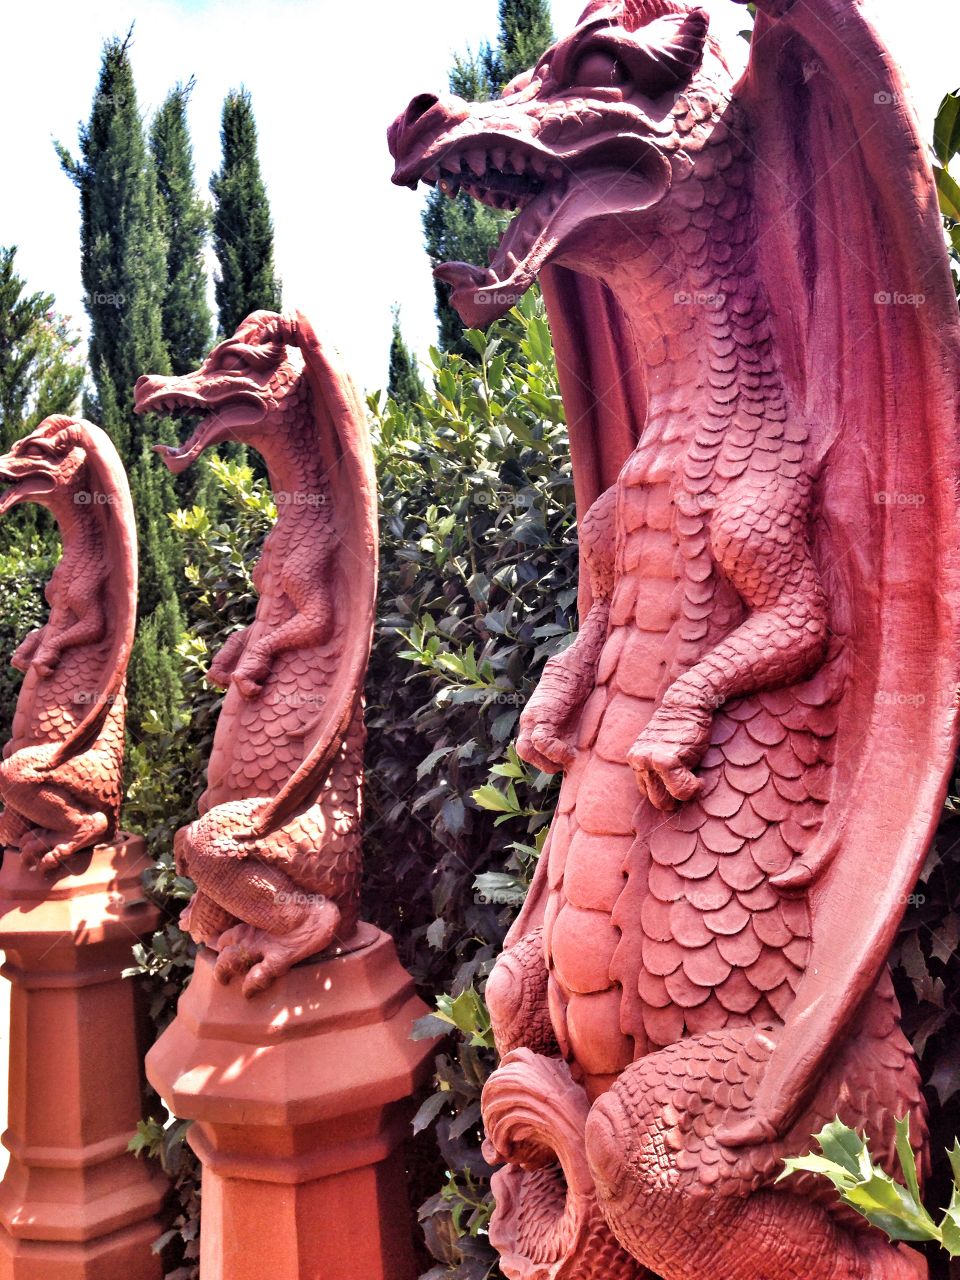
{"points": [[23, 488], [221, 420], [554, 194]]}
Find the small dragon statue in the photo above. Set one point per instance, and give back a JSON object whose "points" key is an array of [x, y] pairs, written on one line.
{"points": [[759, 351], [61, 774], [275, 853]]}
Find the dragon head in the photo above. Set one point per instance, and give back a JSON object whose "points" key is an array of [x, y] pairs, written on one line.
{"points": [[43, 464], [242, 385], [589, 140]]}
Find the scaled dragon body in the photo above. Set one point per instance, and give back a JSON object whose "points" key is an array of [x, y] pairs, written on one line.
{"points": [[61, 775], [275, 853], [757, 717]]}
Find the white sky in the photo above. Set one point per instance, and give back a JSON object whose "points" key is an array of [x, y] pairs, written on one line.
{"points": [[326, 79]]}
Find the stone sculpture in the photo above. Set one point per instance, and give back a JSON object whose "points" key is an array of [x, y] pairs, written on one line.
{"points": [[275, 853], [301, 1100], [74, 1201], [61, 775], [758, 348]]}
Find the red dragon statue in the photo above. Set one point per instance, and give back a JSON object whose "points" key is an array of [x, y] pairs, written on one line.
{"points": [[275, 854], [759, 351], [61, 775]]}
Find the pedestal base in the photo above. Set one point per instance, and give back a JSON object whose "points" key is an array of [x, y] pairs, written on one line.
{"points": [[74, 1203], [301, 1097]]}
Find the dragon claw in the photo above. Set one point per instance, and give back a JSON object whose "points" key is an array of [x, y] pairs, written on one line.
{"points": [[544, 747], [666, 753]]}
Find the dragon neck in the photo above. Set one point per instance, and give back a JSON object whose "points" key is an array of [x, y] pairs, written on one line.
{"points": [[698, 311], [290, 448], [79, 509]]}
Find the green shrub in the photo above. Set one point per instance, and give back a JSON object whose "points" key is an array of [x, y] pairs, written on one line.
{"points": [[26, 563], [478, 587]]}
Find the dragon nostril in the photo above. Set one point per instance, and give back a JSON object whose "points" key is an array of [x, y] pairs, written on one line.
{"points": [[419, 106]]}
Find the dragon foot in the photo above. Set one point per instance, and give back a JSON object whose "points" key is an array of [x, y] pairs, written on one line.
{"points": [[47, 850], [263, 957]]}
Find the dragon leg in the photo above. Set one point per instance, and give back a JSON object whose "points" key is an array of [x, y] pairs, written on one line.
{"points": [[663, 1174], [547, 1224], [205, 920], [54, 824], [516, 996], [278, 923]]}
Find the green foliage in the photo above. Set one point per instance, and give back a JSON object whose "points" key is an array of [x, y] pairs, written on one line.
{"points": [[894, 1207], [242, 226], [525, 32], [946, 146], [26, 563], [39, 372], [477, 589], [184, 217], [124, 267], [123, 251], [167, 1143], [404, 384]]}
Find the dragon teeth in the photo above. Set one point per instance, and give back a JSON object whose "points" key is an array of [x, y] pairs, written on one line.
{"points": [[477, 161]]}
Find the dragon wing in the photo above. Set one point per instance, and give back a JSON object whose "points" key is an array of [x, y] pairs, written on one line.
{"points": [[605, 406], [112, 505], [343, 442], [851, 246]]}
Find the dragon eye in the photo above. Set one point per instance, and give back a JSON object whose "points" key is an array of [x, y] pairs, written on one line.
{"points": [[598, 67], [230, 362]]}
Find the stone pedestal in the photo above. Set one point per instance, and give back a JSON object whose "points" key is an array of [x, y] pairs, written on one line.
{"points": [[74, 1204], [302, 1099]]}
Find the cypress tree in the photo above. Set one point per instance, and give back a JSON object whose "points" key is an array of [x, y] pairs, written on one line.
{"points": [[39, 373], [525, 32], [123, 254], [462, 229], [404, 383], [242, 226], [124, 273], [185, 314]]}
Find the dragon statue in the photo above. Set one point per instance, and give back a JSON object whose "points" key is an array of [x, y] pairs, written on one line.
{"points": [[759, 351], [275, 853], [61, 774]]}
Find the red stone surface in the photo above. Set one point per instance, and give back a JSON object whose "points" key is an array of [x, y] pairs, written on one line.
{"points": [[275, 853], [301, 1101], [759, 351], [74, 1203]]}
